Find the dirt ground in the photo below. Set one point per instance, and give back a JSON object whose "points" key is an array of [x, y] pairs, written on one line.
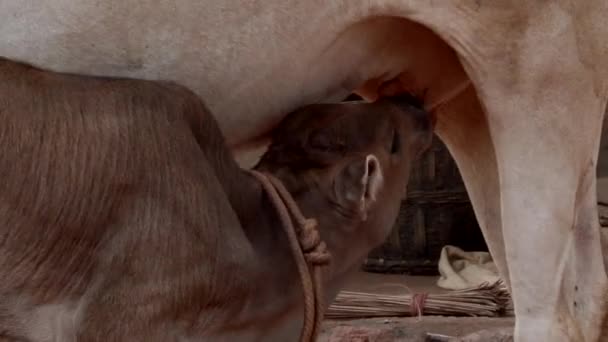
{"points": [[407, 329], [403, 328]]}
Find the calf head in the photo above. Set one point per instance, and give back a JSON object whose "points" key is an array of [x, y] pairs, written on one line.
{"points": [[347, 165]]}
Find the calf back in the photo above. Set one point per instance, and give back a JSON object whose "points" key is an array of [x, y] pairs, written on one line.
{"points": [[102, 179]]}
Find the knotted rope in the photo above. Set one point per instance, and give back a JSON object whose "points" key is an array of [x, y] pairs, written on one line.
{"points": [[418, 301], [308, 250]]}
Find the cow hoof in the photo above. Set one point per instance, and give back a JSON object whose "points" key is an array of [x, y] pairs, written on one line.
{"points": [[492, 335]]}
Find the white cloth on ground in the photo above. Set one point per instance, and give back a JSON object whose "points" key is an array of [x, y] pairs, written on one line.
{"points": [[461, 270]]}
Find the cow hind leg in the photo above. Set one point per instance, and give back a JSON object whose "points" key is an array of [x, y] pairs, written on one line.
{"points": [[551, 232], [532, 183]]}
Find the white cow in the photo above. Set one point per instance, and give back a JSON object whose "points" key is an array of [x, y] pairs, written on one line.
{"points": [[519, 89]]}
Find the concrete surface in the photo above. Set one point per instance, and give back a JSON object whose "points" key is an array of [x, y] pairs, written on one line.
{"points": [[407, 329]]}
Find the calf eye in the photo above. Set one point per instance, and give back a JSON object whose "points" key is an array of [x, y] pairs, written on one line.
{"points": [[319, 141], [396, 144]]}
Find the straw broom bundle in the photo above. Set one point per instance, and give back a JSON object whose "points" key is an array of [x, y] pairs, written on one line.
{"points": [[485, 300]]}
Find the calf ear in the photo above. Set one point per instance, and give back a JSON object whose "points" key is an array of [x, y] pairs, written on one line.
{"points": [[359, 183]]}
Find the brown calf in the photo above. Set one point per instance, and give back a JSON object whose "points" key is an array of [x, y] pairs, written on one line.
{"points": [[124, 217]]}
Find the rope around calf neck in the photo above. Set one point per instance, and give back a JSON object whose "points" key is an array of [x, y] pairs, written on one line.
{"points": [[307, 248]]}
